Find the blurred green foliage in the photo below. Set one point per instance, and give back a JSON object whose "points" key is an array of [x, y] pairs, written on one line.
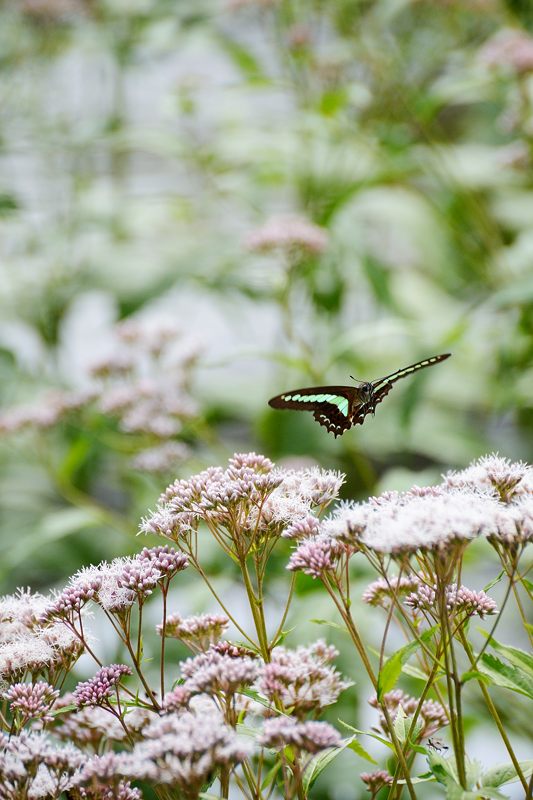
{"points": [[142, 142]]}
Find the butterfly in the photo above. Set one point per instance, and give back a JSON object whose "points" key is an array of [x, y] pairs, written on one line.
{"points": [[337, 408]]}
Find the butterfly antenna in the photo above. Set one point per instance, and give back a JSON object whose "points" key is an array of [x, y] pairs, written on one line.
{"points": [[357, 380]]}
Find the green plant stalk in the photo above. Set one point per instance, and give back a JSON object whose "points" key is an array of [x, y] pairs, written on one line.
{"points": [[356, 639], [455, 720], [256, 607], [493, 712]]}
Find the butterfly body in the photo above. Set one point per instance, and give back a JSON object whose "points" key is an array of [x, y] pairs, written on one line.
{"points": [[338, 408]]}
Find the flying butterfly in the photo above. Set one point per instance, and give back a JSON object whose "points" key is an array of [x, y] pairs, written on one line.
{"points": [[337, 408]]}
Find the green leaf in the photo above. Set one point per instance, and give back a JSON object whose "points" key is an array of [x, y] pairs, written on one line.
{"points": [[414, 672], [329, 624], [518, 657], [390, 672], [244, 59], [271, 774], [367, 733], [443, 768], [319, 763], [506, 773], [505, 675], [358, 748], [527, 583], [474, 675], [494, 581]]}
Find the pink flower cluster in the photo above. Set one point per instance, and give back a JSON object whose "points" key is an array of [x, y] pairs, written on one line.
{"points": [[263, 498], [302, 680], [98, 689]]}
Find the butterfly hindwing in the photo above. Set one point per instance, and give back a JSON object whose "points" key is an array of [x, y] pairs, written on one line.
{"points": [[310, 399], [332, 406]]}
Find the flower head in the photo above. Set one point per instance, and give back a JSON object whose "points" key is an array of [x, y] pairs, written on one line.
{"points": [[312, 737], [95, 691], [433, 715], [382, 591], [460, 600], [317, 556], [504, 479], [184, 750], [213, 672], [290, 234], [376, 780], [31, 701], [302, 679], [198, 632]]}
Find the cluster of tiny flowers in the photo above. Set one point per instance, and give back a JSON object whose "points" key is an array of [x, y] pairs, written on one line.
{"points": [[250, 489], [19, 613], [123, 790], [37, 651], [505, 479], [458, 601], [100, 779], [289, 234], [28, 646], [32, 701], [91, 726], [376, 780], [312, 737], [198, 632], [163, 458], [177, 699], [318, 555], [466, 505], [382, 591], [96, 690], [511, 49], [302, 679], [433, 715], [32, 766], [212, 672], [143, 383], [305, 528], [184, 751]]}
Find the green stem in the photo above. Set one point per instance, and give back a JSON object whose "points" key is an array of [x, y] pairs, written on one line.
{"points": [[494, 713]]}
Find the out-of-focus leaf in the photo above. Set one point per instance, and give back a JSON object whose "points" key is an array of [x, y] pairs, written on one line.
{"points": [[390, 672], [506, 773], [506, 676]]}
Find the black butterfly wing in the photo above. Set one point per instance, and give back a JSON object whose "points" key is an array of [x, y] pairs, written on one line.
{"points": [[383, 386], [332, 406], [402, 373]]}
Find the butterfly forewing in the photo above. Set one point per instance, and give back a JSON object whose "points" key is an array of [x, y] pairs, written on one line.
{"points": [[402, 373]]}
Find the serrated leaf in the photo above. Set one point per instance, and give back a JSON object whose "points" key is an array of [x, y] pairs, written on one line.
{"points": [[506, 675], [390, 672], [358, 748], [443, 768], [474, 674], [515, 655], [506, 773]]}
